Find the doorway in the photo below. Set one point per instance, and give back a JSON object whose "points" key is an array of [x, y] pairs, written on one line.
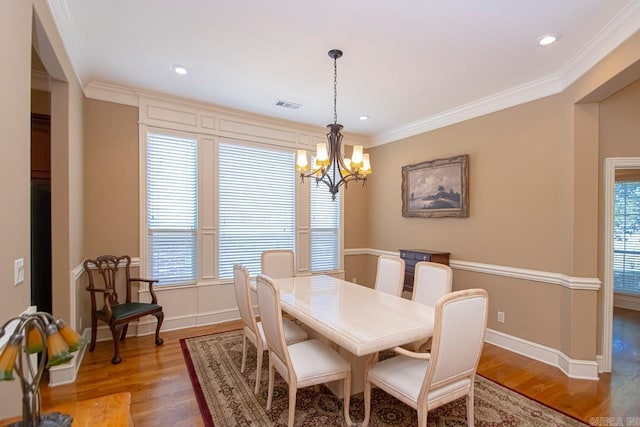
{"points": [[612, 260]]}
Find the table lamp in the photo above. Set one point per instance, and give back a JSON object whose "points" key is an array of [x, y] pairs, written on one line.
{"points": [[35, 333]]}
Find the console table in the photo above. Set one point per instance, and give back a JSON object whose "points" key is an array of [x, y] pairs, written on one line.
{"points": [[413, 256]]}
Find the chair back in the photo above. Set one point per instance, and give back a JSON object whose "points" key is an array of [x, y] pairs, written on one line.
{"points": [[243, 297], [390, 275], [431, 282], [278, 263], [458, 337], [103, 274], [271, 318]]}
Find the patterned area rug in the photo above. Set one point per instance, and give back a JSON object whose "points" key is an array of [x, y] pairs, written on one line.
{"points": [[226, 398]]}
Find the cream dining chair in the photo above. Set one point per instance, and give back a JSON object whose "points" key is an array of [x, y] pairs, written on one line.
{"points": [[302, 364], [278, 263], [390, 275], [425, 381], [253, 330]]}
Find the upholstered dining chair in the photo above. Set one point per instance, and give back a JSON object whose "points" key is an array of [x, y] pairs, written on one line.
{"points": [[105, 305], [252, 329], [425, 381], [302, 364], [278, 263], [390, 275], [431, 282]]}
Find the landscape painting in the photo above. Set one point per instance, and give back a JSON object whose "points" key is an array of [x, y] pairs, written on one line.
{"points": [[436, 188]]}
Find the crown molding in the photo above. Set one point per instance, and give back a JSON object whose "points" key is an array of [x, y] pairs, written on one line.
{"points": [[621, 27], [69, 36], [112, 93]]}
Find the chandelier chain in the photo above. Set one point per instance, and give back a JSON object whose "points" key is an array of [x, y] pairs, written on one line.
{"points": [[335, 90]]}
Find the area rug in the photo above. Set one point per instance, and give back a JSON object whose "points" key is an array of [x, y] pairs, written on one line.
{"points": [[225, 396]]}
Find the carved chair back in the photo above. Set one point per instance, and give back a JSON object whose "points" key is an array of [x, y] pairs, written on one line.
{"points": [[103, 274]]}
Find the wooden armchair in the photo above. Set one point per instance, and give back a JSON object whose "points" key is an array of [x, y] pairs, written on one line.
{"points": [[108, 309]]}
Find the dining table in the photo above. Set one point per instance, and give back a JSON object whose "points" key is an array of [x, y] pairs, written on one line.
{"points": [[356, 320]]}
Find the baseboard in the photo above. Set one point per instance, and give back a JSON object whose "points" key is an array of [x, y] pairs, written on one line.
{"points": [[573, 368], [147, 324], [630, 302], [67, 372]]}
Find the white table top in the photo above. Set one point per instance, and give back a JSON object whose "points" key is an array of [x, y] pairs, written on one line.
{"points": [[359, 319]]}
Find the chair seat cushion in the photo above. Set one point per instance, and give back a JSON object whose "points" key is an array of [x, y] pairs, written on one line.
{"points": [[314, 359], [404, 376], [130, 309], [292, 332]]}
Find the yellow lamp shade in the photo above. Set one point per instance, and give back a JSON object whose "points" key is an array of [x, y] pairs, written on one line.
{"points": [[34, 340], [301, 162], [366, 165], [73, 339], [8, 357], [356, 157], [322, 155], [57, 348]]}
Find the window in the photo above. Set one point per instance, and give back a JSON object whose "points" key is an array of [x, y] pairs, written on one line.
{"points": [[626, 235], [325, 229], [256, 188], [172, 208]]}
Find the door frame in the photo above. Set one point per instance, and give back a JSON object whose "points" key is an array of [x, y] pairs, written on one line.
{"points": [[610, 166]]}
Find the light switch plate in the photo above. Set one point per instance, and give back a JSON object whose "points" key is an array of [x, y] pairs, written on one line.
{"points": [[18, 271]]}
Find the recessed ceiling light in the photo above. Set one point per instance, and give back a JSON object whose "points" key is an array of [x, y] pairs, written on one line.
{"points": [[364, 117], [548, 39], [179, 69]]}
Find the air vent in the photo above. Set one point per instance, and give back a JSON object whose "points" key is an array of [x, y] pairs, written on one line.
{"points": [[289, 105]]}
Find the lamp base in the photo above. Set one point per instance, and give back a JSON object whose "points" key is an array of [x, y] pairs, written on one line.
{"points": [[54, 419]]}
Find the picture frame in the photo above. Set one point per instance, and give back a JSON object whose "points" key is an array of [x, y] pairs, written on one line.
{"points": [[436, 188]]}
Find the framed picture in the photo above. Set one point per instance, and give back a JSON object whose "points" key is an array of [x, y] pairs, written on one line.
{"points": [[437, 188]]}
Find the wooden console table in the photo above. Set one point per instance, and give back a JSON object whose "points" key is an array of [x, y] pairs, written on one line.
{"points": [[106, 411], [413, 256]]}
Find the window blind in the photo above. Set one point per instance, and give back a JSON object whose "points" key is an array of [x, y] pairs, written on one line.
{"points": [[172, 208], [256, 205], [325, 228], [626, 238]]}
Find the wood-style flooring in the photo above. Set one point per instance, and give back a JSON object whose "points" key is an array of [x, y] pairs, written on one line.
{"points": [[161, 392]]}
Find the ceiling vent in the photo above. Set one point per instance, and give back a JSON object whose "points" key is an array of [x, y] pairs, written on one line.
{"points": [[288, 105]]}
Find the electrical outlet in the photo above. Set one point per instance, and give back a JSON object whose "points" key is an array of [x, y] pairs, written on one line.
{"points": [[354, 280], [501, 316], [18, 271]]}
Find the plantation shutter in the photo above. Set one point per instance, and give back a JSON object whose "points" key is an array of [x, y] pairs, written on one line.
{"points": [[172, 208], [626, 243], [325, 228], [256, 205]]}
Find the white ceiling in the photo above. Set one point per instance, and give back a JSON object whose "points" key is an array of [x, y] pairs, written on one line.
{"points": [[411, 65]]}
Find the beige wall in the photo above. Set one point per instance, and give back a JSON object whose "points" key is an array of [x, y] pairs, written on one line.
{"points": [[15, 84], [111, 177]]}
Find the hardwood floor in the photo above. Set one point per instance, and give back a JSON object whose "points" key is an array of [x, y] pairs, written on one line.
{"points": [[161, 392]]}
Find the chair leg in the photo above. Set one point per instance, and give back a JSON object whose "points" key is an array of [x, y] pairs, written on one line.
{"points": [[423, 413], [367, 402], [258, 370], [347, 399], [160, 317], [244, 353], [271, 378], [123, 334], [470, 417], [116, 345], [292, 404], [94, 332]]}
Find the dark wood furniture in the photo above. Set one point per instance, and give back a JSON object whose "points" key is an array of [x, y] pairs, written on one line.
{"points": [[413, 256], [117, 315]]}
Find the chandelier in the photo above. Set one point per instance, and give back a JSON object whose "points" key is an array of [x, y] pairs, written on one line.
{"points": [[329, 167]]}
